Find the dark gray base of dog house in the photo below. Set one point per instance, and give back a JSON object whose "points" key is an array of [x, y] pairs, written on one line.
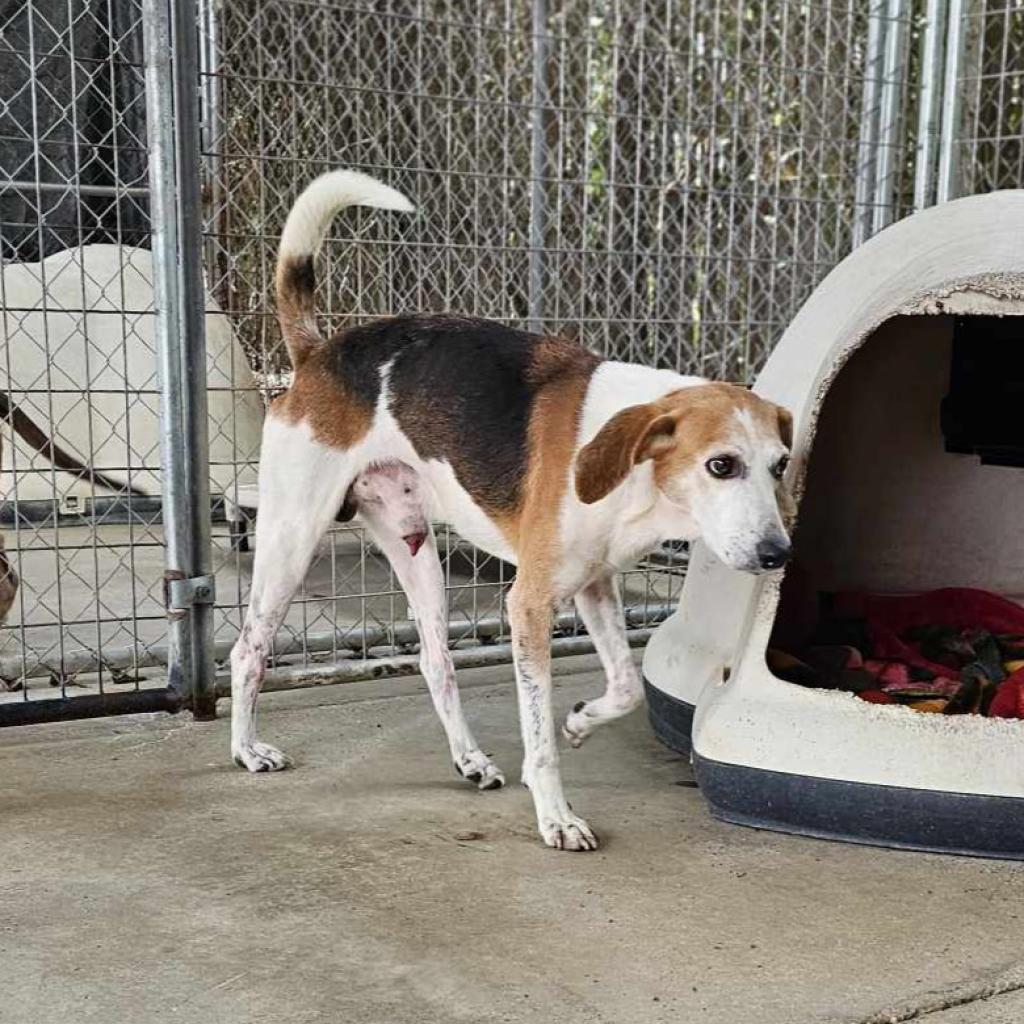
{"points": [[670, 718], [970, 824]]}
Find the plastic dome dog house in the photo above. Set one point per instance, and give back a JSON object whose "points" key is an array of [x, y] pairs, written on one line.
{"points": [[93, 333], [885, 506]]}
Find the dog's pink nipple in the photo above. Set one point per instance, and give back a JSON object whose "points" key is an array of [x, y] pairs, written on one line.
{"points": [[415, 541]]}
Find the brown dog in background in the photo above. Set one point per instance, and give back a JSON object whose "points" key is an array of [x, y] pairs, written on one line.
{"points": [[8, 577]]}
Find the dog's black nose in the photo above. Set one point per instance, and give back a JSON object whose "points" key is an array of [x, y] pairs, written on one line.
{"points": [[773, 555]]}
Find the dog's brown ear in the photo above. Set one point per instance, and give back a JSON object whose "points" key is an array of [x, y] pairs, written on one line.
{"points": [[785, 426], [631, 436]]}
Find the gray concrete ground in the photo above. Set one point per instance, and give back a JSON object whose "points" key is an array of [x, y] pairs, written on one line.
{"points": [[143, 879]]}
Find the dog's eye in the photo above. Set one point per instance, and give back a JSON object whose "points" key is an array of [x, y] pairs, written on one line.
{"points": [[780, 467], [407, 490], [722, 466]]}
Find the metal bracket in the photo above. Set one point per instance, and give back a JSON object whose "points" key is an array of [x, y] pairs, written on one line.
{"points": [[181, 593]]}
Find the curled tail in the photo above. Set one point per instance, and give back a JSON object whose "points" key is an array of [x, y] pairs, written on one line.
{"points": [[303, 234]]}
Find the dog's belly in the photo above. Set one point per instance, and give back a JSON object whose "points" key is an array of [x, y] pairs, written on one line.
{"points": [[452, 504], [448, 501]]}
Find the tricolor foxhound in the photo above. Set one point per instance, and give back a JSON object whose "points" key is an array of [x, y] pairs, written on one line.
{"points": [[568, 465]]}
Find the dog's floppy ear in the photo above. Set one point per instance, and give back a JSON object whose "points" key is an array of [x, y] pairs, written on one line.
{"points": [[631, 436], [785, 426], [787, 503]]}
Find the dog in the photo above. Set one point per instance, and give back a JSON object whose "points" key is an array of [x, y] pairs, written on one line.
{"points": [[540, 452]]}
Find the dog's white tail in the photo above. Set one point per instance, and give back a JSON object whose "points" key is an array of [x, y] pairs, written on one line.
{"points": [[303, 234]]}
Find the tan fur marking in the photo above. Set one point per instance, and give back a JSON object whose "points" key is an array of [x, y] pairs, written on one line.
{"points": [[551, 441], [705, 415], [785, 425], [336, 418], [295, 283], [555, 356]]}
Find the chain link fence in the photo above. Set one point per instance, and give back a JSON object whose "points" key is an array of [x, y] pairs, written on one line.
{"points": [[666, 181], [990, 136]]}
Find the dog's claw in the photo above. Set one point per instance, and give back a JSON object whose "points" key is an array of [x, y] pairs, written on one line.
{"points": [[260, 757], [572, 834]]}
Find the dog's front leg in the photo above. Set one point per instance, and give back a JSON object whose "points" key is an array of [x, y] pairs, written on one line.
{"points": [[529, 607], [600, 607]]}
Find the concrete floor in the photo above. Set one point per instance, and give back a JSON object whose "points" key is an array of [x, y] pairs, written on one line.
{"points": [[144, 880]]}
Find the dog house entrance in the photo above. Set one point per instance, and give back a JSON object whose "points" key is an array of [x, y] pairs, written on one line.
{"points": [[915, 484]]}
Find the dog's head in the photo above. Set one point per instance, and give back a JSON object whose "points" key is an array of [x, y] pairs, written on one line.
{"points": [[719, 455]]}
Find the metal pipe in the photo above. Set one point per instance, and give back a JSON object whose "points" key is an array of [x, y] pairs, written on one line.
{"points": [[928, 102], [867, 148], [93, 705], [210, 125], [356, 640], [948, 185], [173, 126], [300, 677], [32, 712], [195, 442], [538, 164], [893, 70], [106, 191], [164, 244]]}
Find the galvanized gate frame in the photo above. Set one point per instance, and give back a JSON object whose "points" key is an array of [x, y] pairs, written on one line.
{"points": [[172, 107]]}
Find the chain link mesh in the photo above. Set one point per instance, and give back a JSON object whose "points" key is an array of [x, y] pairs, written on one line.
{"points": [[991, 140], [668, 182], [697, 171]]}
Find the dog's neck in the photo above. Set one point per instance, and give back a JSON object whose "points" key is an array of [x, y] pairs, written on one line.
{"points": [[642, 518]]}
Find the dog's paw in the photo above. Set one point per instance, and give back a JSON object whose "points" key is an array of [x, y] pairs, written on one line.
{"points": [[571, 833], [476, 767], [577, 725], [260, 757]]}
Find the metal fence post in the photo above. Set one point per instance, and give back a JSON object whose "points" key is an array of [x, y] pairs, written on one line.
{"points": [[948, 163], [889, 109], [538, 164], [867, 148], [172, 106], [928, 96], [210, 123]]}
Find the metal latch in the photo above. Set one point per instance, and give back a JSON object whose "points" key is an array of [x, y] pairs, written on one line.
{"points": [[181, 593]]}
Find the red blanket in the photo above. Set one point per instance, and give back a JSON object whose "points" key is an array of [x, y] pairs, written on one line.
{"points": [[895, 626]]}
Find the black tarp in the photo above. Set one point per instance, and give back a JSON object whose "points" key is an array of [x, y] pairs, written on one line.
{"points": [[72, 116]]}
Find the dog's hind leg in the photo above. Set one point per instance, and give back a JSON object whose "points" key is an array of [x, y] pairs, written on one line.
{"points": [[423, 582], [302, 485], [600, 608]]}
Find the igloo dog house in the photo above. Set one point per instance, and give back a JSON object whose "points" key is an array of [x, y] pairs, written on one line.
{"points": [[883, 506], [82, 322]]}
